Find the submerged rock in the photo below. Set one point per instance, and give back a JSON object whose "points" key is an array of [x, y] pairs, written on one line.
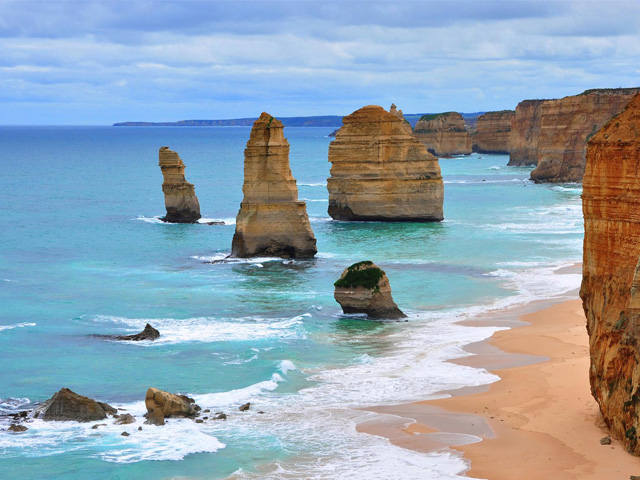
{"points": [[17, 428], [179, 195], [364, 288], [161, 405], [149, 333], [271, 221], [67, 405], [610, 288], [245, 407], [125, 419], [381, 172]]}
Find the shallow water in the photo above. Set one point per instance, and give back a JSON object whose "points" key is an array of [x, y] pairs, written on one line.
{"points": [[82, 253]]}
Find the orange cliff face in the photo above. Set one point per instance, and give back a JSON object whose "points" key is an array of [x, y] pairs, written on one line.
{"points": [[444, 134], [493, 133], [611, 282], [525, 131], [565, 127]]}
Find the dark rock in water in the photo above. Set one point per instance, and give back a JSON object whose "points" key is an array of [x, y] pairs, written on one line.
{"points": [[605, 441], [260, 412], [199, 420], [333, 134], [149, 333], [245, 407], [220, 416], [206, 411], [66, 405], [124, 434], [364, 288], [97, 425], [139, 428], [17, 428], [216, 223], [125, 419]]}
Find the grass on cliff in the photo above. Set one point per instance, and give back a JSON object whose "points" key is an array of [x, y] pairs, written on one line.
{"points": [[431, 116], [367, 277]]}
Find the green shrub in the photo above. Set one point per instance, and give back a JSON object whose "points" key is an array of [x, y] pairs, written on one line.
{"points": [[356, 277]]}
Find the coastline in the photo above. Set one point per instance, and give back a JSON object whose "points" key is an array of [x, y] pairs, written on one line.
{"points": [[538, 421]]}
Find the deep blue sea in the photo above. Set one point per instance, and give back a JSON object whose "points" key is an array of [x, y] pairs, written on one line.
{"points": [[82, 252]]}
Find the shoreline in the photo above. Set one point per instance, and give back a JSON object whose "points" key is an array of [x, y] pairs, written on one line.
{"points": [[537, 421]]}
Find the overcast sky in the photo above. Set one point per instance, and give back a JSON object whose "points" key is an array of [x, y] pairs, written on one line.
{"points": [[100, 62]]}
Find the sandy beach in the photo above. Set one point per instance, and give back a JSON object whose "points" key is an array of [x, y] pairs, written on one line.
{"points": [[539, 421]]}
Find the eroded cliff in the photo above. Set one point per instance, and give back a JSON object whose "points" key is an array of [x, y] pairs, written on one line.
{"points": [[444, 134], [611, 205], [525, 131], [179, 195], [271, 221], [493, 132], [566, 125], [381, 172]]}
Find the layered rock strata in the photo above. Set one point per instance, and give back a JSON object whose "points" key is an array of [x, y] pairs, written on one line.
{"points": [[565, 127], [271, 221], [525, 131], [493, 132], [364, 288], [179, 195], [611, 272], [381, 172], [67, 405], [444, 134]]}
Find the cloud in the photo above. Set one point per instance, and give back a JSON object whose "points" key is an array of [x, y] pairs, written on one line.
{"points": [[114, 60]]}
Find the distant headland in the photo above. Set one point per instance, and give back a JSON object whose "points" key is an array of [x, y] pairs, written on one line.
{"points": [[334, 121]]}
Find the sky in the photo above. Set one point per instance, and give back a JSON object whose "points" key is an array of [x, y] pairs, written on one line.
{"points": [[99, 62]]}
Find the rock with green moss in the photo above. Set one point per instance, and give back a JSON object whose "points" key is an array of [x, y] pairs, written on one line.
{"points": [[364, 288]]}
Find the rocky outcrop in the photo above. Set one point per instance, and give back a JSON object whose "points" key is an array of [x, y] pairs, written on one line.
{"points": [[364, 288], [444, 134], [149, 333], [272, 221], [493, 132], [611, 272], [380, 172], [179, 195], [67, 405], [566, 125], [525, 131], [161, 405]]}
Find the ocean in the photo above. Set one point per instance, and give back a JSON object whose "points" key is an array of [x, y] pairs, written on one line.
{"points": [[82, 252]]}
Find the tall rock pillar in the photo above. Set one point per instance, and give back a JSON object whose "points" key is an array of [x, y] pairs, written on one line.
{"points": [[179, 195], [271, 221]]}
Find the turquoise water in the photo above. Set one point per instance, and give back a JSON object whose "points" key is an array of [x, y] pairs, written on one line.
{"points": [[82, 252]]}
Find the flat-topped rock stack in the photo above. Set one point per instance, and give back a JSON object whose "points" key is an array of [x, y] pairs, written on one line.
{"points": [[611, 276], [364, 288], [179, 195], [444, 134], [381, 172], [271, 221], [493, 132]]}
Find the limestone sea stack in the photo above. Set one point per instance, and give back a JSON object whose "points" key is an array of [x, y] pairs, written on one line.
{"points": [[565, 126], [525, 131], [493, 132], [179, 195], [611, 276], [381, 172], [271, 221], [364, 288], [444, 134], [161, 405]]}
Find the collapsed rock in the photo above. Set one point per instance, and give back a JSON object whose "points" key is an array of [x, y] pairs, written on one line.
{"points": [[125, 419], [364, 288], [161, 405], [245, 407], [67, 405], [17, 428]]}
